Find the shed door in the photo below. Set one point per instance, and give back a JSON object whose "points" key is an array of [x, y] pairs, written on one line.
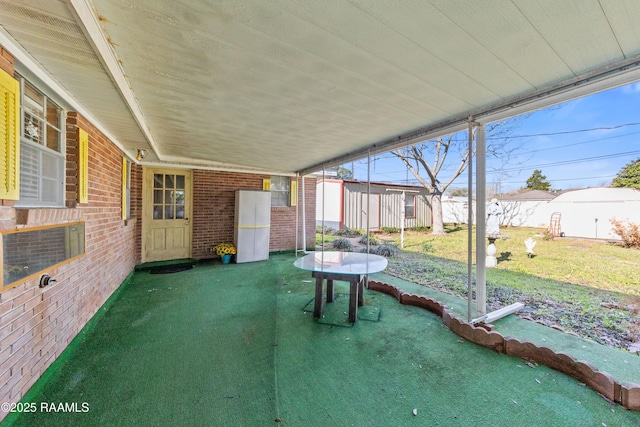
{"points": [[374, 207]]}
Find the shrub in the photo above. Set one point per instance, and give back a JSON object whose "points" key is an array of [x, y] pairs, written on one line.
{"points": [[427, 247], [373, 240], [327, 230], [390, 230], [349, 232], [385, 250], [342, 244], [628, 231], [420, 228]]}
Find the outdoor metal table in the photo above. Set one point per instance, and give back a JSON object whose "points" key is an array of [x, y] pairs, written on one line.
{"points": [[350, 267]]}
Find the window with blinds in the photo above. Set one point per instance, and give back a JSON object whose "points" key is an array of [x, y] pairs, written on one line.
{"points": [[280, 190], [41, 149]]}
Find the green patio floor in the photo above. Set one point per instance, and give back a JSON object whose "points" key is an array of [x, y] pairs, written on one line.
{"points": [[232, 345]]}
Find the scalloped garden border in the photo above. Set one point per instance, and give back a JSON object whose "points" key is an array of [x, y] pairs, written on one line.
{"points": [[626, 394]]}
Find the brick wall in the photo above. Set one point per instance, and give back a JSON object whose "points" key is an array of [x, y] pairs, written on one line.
{"points": [[283, 220], [36, 324], [214, 209], [6, 61]]}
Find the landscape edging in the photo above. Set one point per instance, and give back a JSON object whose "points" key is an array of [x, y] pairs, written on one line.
{"points": [[626, 394]]}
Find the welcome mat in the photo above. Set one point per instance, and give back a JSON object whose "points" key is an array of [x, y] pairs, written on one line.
{"points": [[336, 313], [168, 269]]}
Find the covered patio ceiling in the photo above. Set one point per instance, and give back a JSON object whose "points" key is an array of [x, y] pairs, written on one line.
{"points": [[289, 86]]}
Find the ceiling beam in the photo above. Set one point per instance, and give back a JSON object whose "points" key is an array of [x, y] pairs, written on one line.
{"points": [[90, 24]]}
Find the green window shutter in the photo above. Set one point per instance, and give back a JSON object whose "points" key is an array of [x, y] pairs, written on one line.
{"points": [[10, 137], [83, 166]]}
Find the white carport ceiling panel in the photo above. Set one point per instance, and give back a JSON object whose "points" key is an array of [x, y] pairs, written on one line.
{"points": [[623, 16], [48, 31], [285, 85], [264, 83], [501, 37], [288, 79], [563, 24]]}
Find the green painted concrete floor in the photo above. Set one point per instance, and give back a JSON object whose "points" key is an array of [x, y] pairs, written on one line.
{"points": [[237, 345]]}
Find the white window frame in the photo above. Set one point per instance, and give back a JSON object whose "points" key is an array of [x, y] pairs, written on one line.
{"points": [[407, 198], [280, 197], [41, 150]]}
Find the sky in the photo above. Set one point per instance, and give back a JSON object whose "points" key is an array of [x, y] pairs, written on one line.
{"points": [[578, 144]]}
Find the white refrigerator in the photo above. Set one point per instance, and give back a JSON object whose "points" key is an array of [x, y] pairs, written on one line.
{"points": [[252, 225]]}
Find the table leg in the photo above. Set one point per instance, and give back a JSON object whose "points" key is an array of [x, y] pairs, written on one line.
{"points": [[318, 306], [354, 286], [361, 291], [330, 295]]}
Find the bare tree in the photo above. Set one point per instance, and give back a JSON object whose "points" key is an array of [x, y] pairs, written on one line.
{"points": [[440, 150]]}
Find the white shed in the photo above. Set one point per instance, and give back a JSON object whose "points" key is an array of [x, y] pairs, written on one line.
{"points": [[343, 204], [588, 212]]}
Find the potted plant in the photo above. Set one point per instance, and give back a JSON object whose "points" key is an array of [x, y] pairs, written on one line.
{"points": [[225, 250]]}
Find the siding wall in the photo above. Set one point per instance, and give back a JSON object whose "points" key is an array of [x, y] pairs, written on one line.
{"points": [[390, 206], [329, 197]]}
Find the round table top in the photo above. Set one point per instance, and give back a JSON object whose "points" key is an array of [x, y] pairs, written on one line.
{"points": [[342, 262]]}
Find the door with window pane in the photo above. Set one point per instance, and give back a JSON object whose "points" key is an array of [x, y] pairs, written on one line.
{"points": [[166, 227]]}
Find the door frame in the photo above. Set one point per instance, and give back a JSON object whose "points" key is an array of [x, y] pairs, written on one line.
{"points": [[147, 206]]}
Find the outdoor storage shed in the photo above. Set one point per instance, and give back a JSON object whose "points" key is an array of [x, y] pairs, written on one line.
{"points": [[344, 204]]}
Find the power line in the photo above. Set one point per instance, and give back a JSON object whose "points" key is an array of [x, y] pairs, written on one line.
{"points": [[570, 162], [568, 131], [390, 156], [415, 182], [556, 147], [542, 165]]}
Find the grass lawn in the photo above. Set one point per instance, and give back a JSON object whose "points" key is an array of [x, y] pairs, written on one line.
{"points": [[592, 263], [588, 287]]}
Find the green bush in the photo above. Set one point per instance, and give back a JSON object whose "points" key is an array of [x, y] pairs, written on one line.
{"points": [[420, 228], [385, 250], [349, 232], [427, 247], [373, 240], [390, 230], [342, 244], [327, 230]]}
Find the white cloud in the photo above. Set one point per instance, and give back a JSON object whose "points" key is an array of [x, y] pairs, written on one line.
{"points": [[631, 88]]}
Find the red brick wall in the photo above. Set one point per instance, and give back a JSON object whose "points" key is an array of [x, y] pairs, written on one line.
{"points": [[36, 324], [6, 61], [214, 208], [283, 220]]}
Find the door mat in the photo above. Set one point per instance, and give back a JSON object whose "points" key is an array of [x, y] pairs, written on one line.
{"points": [[168, 269], [337, 312]]}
